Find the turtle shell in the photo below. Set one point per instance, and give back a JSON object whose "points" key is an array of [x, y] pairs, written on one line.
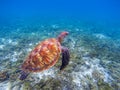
{"points": [[43, 56]]}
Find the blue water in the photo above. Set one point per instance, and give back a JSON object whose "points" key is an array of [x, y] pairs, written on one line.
{"points": [[104, 12], [93, 41]]}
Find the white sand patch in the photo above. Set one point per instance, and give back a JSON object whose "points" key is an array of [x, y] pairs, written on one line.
{"points": [[30, 44], [5, 86], [9, 41], [46, 74], [87, 70], [28, 50], [50, 72], [55, 26], [2, 39], [14, 43], [2, 46], [72, 44], [14, 57], [101, 36]]}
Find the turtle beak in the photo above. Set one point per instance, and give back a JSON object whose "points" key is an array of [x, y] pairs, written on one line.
{"points": [[64, 33], [67, 33]]}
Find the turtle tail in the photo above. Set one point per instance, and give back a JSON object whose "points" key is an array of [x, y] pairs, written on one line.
{"points": [[23, 75]]}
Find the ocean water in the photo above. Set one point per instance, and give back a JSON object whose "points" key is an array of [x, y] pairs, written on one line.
{"points": [[93, 43]]}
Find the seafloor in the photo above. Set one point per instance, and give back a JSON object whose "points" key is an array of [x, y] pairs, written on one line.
{"points": [[94, 56]]}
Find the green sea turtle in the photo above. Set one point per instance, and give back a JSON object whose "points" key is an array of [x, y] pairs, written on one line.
{"points": [[45, 55]]}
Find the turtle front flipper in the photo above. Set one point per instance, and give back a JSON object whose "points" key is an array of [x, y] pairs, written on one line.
{"points": [[23, 75], [65, 58]]}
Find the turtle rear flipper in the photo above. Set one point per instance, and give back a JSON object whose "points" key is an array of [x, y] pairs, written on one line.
{"points": [[65, 58], [23, 75]]}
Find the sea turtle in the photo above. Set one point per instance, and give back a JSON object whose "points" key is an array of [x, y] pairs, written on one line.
{"points": [[45, 55]]}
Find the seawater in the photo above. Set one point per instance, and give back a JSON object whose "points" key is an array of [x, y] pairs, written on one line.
{"points": [[93, 42]]}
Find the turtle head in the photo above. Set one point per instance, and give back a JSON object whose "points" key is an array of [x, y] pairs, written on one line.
{"points": [[62, 36]]}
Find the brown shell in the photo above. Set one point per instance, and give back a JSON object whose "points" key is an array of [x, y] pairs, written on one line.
{"points": [[43, 56]]}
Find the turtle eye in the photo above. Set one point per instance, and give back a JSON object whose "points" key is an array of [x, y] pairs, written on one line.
{"points": [[67, 33]]}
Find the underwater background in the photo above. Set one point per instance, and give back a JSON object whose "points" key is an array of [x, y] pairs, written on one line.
{"points": [[93, 42]]}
